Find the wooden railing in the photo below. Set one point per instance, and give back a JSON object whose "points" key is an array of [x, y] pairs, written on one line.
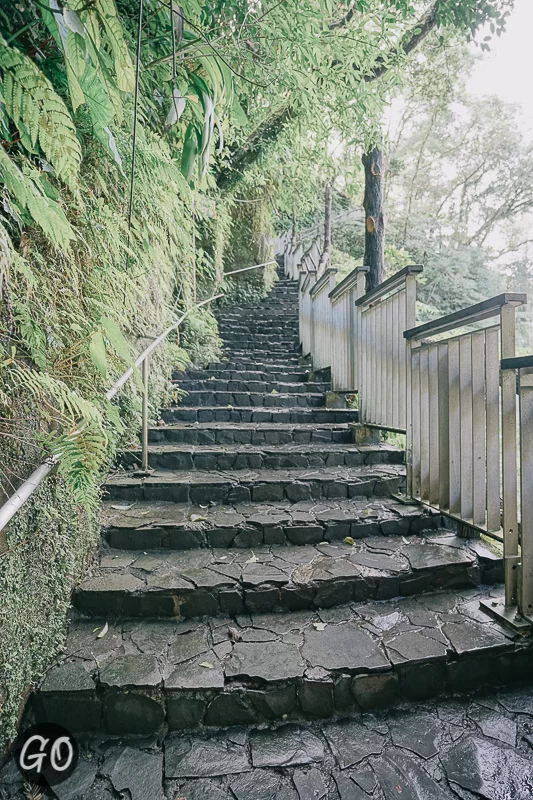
{"points": [[382, 352], [518, 372], [442, 384], [460, 460]]}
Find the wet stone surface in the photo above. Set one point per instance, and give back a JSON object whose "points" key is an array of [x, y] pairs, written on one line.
{"points": [[198, 582], [430, 751], [262, 485], [303, 521], [306, 664]]}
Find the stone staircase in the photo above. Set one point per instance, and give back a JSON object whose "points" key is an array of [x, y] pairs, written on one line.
{"points": [[265, 571]]}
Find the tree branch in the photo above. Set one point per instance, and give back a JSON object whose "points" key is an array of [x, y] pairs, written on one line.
{"points": [[248, 153], [344, 20], [269, 130], [410, 40]]}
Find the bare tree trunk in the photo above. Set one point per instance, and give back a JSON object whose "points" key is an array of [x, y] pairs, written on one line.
{"points": [[325, 258], [373, 163]]}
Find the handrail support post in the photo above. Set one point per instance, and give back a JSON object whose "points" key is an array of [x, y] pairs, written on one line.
{"points": [[145, 378], [509, 457]]}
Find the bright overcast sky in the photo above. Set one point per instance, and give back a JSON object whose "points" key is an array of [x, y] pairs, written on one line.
{"points": [[508, 69]]}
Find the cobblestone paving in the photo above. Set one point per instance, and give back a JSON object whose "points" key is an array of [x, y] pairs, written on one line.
{"points": [[478, 746]]}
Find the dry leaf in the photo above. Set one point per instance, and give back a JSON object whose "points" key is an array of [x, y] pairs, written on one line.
{"points": [[123, 508], [234, 634], [252, 560], [349, 540], [319, 625], [103, 631], [197, 518], [32, 791], [206, 665]]}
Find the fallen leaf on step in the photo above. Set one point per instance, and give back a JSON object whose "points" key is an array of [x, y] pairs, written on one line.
{"points": [[197, 518], [252, 560], [234, 635], [123, 508], [319, 625], [274, 391], [405, 541], [206, 665], [103, 631], [349, 540]]}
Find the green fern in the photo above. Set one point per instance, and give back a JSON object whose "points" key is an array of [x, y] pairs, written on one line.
{"points": [[39, 113]]}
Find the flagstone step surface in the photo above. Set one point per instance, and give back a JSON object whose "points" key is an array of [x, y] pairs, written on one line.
{"points": [[178, 526], [244, 486], [248, 398], [478, 746], [147, 676], [194, 583], [260, 433], [254, 414], [248, 456], [261, 387], [225, 375]]}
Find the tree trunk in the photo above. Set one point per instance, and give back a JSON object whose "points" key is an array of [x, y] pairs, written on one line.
{"points": [[373, 163], [325, 258]]}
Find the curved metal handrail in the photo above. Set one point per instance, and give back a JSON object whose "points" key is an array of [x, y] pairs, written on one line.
{"points": [[26, 489]]}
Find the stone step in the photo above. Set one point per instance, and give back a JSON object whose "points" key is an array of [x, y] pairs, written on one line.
{"points": [[152, 676], [241, 375], [254, 327], [248, 456], [258, 317], [284, 339], [195, 583], [317, 416], [440, 750], [270, 349], [256, 387], [242, 486], [288, 360], [247, 365], [148, 526], [249, 433], [248, 399]]}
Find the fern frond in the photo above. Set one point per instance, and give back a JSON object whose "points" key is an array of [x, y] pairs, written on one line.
{"points": [[39, 113]]}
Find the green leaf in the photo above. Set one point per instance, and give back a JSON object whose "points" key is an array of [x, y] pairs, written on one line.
{"points": [[116, 338], [190, 151], [98, 103], [98, 353], [113, 28], [76, 53]]}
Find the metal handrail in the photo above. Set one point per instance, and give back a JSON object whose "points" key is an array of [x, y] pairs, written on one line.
{"points": [[26, 489], [245, 269]]}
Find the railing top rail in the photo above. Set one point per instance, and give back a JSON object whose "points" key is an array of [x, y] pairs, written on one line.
{"points": [[520, 362], [27, 488], [246, 269], [322, 281], [306, 278], [466, 316], [389, 285], [347, 282]]}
